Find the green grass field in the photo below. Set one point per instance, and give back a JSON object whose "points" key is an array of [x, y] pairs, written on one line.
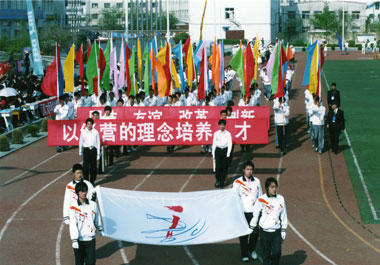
{"points": [[359, 85]]}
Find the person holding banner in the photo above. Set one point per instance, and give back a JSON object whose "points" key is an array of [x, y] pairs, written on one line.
{"points": [[269, 213], [61, 111], [84, 221], [89, 148], [221, 151], [249, 189]]}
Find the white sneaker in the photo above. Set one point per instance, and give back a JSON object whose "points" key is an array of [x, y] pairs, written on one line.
{"points": [[245, 259], [254, 255]]}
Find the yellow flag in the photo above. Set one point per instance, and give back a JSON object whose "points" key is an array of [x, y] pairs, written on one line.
{"points": [[256, 55], [314, 71], [68, 70], [175, 76], [190, 66], [139, 59]]}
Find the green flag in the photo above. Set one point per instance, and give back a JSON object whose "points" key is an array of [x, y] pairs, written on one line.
{"points": [[275, 71], [146, 69], [237, 63], [92, 68], [132, 72], [106, 74]]}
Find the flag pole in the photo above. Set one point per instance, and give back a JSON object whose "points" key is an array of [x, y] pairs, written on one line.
{"points": [[203, 17], [167, 22], [56, 68], [343, 26]]}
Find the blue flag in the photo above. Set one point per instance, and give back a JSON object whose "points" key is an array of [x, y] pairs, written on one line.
{"points": [[177, 51], [310, 51], [340, 44]]}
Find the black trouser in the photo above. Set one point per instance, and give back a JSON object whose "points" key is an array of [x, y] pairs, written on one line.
{"points": [[281, 134], [248, 242], [89, 164], [334, 138], [221, 165], [271, 246], [230, 158], [110, 154], [86, 253]]}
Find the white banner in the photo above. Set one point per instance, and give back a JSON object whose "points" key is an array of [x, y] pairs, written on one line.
{"points": [[172, 218]]}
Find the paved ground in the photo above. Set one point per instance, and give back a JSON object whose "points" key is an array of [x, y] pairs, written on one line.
{"points": [[321, 231]]}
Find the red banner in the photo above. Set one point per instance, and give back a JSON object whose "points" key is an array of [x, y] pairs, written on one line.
{"points": [[47, 107], [159, 132]]}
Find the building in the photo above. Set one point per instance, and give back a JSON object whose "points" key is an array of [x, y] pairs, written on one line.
{"points": [[373, 11], [75, 14], [296, 15], [259, 18], [13, 12]]}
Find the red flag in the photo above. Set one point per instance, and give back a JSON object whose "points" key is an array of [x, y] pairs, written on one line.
{"points": [[152, 68], [282, 59], [249, 65], [201, 87], [322, 60], [88, 50], [127, 72], [167, 70], [79, 59], [49, 85], [101, 67]]}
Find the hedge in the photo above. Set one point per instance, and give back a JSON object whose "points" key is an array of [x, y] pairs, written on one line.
{"points": [[17, 136], [4, 143], [33, 130]]}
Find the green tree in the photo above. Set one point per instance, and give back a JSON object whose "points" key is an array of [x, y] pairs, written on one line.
{"points": [[348, 22], [112, 18], [53, 34], [325, 21]]}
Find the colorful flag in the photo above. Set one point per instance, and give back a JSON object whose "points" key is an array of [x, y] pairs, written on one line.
{"points": [[188, 51], [132, 72], [113, 69], [128, 73], [146, 69], [249, 66], [88, 50], [163, 71], [68, 70], [92, 68], [79, 59], [37, 60], [277, 80], [152, 58], [310, 54], [139, 59], [203, 80], [217, 70], [221, 63], [212, 61], [121, 81], [256, 55], [237, 63], [340, 44], [177, 51], [106, 75], [53, 81]]}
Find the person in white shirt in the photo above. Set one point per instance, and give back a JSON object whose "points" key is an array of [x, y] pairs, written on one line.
{"points": [[289, 78], [77, 103], [249, 189], [221, 151], [89, 148], [86, 100], [130, 101], [112, 101], [188, 99], [151, 99], [139, 102], [61, 111], [317, 118], [244, 102], [281, 120], [70, 194], [255, 95], [266, 84], [71, 112], [308, 104], [84, 221], [269, 214]]}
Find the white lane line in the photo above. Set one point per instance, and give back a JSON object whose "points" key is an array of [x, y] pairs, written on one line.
{"points": [[27, 201], [120, 244], [58, 245], [190, 255], [364, 185], [295, 230], [28, 170]]}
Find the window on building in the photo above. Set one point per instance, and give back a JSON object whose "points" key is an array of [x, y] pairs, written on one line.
{"points": [[94, 5], [229, 12], [94, 16], [378, 16], [305, 28], [291, 14], [305, 14], [119, 5], [317, 12], [107, 5], [377, 5], [355, 14]]}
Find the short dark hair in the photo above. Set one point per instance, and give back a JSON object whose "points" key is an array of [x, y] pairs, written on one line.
{"points": [[229, 108], [81, 186], [268, 181], [333, 84], [95, 112], [121, 100], [223, 111], [107, 108], [77, 167], [230, 103], [248, 163], [61, 98], [221, 121], [90, 120]]}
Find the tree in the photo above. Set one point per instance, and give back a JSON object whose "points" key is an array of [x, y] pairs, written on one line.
{"points": [[325, 21], [294, 24], [53, 34], [348, 22], [112, 18], [173, 20]]}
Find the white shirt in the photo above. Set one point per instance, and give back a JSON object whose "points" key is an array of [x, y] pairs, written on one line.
{"points": [[72, 112], [150, 101], [249, 191], [86, 101], [89, 139], [71, 196], [265, 78], [61, 112], [222, 140], [112, 103], [317, 115], [281, 113], [273, 213], [84, 220], [255, 98]]}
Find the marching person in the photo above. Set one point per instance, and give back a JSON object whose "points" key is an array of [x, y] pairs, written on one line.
{"points": [[89, 147], [269, 214], [249, 189], [317, 118], [333, 96], [221, 151], [84, 221], [61, 111], [335, 123], [70, 194], [281, 120]]}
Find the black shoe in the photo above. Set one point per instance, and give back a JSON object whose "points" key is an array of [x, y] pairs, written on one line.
{"points": [[277, 146], [217, 184]]}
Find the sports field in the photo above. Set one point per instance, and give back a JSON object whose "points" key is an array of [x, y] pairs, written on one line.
{"points": [[359, 85]]}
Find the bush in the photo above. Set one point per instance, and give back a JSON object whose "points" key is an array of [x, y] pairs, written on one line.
{"points": [[303, 49], [299, 43], [181, 36], [227, 54], [4, 143], [44, 125], [17, 136], [33, 130], [351, 43], [359, 46], [333, 48]]}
